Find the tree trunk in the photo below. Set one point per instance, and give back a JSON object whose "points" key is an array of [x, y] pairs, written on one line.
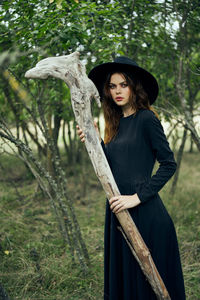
{"points": [[57, 122], [49, 153], [191, 144], [64, 139], [178, 160]]}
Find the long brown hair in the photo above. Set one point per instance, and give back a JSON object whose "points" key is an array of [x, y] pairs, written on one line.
{"points": [[113, 113]]}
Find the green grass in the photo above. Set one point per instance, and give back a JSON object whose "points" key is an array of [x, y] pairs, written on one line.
{"points": [[184, 208], [34, 262]]}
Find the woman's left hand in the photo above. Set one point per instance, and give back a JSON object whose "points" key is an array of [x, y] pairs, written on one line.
{"points": [[119, 203]]}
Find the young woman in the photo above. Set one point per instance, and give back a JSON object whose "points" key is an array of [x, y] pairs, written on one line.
{"points": [[134, 139]]}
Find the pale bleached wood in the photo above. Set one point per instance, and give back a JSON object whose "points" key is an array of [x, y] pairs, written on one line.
{"points": [[69, 69]]}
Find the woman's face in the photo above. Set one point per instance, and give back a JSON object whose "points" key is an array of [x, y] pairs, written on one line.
{"points": [[119, 90]]}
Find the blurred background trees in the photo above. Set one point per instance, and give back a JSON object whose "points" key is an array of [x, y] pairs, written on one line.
{"points": [[161, 36]]}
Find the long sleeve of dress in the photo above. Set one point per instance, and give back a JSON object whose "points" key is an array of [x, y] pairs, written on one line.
{"points": [[155, 137]]}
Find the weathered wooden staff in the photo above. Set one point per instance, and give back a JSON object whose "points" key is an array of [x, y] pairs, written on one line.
{"points": [[72, 72]]}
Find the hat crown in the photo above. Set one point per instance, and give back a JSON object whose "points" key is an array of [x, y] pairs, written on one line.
{"points": [[125, 60]]}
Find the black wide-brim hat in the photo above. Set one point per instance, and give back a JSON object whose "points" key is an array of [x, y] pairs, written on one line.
{"points": [[100, 73]]}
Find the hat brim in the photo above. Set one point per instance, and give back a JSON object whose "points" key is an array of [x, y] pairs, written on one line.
{"points": [[99, 75]]}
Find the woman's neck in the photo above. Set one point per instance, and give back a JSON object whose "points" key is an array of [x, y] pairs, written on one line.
{"points": [[127, 111]]}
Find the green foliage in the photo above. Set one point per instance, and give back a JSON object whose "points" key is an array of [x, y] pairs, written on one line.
{"points": [[154, 33]]}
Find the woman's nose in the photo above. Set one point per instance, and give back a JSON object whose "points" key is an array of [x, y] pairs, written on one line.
{"points": [[118, 89]]}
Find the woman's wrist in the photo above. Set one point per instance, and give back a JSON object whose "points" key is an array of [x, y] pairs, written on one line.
{"points": [[136, 199]]}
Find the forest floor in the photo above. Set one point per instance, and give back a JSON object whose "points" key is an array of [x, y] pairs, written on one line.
{"points": [[34, 262]]}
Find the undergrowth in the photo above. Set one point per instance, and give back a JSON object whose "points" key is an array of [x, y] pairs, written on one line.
{"points": [[34, 262]]}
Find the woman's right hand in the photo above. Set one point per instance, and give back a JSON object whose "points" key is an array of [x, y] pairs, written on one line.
{"points": [[82, 135]]}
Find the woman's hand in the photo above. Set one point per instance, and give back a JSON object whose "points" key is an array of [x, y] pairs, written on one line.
{"points": [[82, 135], [119, 203]]}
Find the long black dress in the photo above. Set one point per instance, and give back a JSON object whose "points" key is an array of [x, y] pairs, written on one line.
{"points": [[131, 155]]}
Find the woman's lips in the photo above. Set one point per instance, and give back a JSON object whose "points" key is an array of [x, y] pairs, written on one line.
{"points": [[119, 99]]}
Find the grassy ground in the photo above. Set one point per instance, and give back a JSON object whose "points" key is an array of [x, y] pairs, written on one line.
{"points": [[34, 263]]}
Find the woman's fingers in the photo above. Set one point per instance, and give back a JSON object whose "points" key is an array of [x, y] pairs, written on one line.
{"points": [[118, 207], [114, 201], [80, 133], [78, 129], [121, 202]]}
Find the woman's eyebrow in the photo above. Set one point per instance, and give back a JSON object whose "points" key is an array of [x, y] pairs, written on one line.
{"points": [[119, 83]]}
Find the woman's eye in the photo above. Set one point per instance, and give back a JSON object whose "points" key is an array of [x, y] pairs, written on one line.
{"points": [[111, 86], [124, 85]]}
